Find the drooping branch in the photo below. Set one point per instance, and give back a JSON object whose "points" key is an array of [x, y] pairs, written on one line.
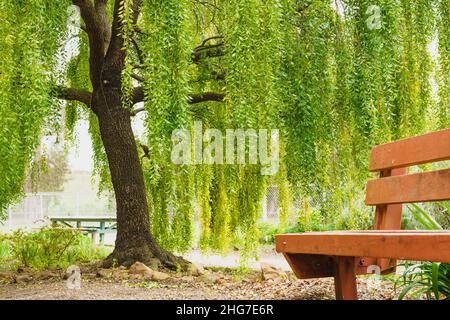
{"points": [[72, 94]]}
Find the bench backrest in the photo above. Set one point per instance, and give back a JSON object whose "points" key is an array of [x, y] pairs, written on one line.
{"points": [[395, 186]]}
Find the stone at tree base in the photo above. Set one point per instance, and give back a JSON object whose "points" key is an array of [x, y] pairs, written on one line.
{"points": [[188, 279], [270, 272], [159, 276], [6, 277], [140, 268], [209, 277], [136, 277], [196, 270], [45, 275], [104, 273], [220, 281], [22, 278], [120, 273], [154, 263]]}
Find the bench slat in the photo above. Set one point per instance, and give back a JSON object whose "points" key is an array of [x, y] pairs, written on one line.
{"points": [[426, 246], [418, 187], [427, 148]]}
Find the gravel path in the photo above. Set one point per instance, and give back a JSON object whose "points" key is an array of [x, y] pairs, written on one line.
{"points": [[249, 287]]}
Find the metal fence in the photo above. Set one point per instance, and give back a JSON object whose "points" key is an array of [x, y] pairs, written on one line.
{"points": [[35, 208]]}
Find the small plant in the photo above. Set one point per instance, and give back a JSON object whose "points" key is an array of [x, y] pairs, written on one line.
{"points": [[431, 279], [4, 249], [47, 248]]}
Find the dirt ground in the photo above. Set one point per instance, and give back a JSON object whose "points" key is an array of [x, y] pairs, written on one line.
{"points": [[250, 286]]}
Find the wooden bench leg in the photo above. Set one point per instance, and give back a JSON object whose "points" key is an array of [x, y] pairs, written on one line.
{"points": [[345, 278]]}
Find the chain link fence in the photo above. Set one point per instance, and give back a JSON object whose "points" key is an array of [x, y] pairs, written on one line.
{"points": [[35, 208]]}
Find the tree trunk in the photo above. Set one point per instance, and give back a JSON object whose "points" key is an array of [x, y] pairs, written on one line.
{"points": [[134, 241]]}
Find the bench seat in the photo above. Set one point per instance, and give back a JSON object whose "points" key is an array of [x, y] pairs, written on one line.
{"points": [[401, 244]]}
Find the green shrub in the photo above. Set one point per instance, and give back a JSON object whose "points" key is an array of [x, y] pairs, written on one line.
{"points": [[429, 279], [47, 248]]}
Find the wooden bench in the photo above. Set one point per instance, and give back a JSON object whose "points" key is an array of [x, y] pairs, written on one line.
{"points": [[345, 254]]}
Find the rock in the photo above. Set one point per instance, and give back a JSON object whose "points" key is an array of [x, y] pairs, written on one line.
{"points": [[154, 263], [23, 278], [6, 277], [188, 279], [158, 276], [136, 277], [142, 269], [120, 273], [220, 281], [196, 270], [104, 273], [46, 275], [270, 272], [208, 278]]}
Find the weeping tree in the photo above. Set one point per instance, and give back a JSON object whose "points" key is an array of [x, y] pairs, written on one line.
{"points": [[335, 77]]}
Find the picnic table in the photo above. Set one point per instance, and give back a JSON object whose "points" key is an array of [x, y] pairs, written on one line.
{"points": [[94, 225]]}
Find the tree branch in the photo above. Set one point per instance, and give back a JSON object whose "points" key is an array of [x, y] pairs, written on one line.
{"points": [[193, 98], [96, 34], [204, 97], [72, 94], [100, 2], [137, 77], [212, 50], [136, 111], [139, 52], [138, 95], [115, 56], [202, 45]]}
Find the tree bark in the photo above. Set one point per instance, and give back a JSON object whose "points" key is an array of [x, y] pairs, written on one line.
{"points": [[134, 241]]}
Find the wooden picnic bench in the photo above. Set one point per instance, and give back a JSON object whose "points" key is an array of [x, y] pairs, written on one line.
{"points": [[345, 254], [94, 225]]}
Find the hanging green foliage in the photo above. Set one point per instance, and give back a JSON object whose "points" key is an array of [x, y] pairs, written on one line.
{"points": [[31, 32], [334, 78]]}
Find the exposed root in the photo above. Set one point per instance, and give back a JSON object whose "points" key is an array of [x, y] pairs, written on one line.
{"points": [[148, 255]]}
